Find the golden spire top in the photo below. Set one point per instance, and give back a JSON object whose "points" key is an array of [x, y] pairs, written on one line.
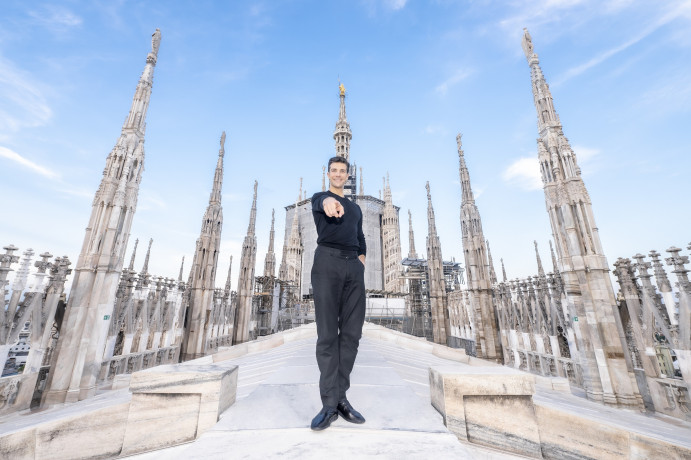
{"points": [[341, 88]]}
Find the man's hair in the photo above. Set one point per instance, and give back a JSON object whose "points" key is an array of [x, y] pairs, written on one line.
{"points": [[338, 160]]}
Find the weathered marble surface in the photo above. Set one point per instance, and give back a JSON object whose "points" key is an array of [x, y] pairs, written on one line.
{"points": [[491, 406]]}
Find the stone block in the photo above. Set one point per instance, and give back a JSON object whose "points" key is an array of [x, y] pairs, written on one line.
{"points": [[564, 435], [453, 354], [225, 353], [121, 381], [645, 447], [158, 420], [491, 406], [19, 445], [264, 344], [217, 386], [90, 434]]}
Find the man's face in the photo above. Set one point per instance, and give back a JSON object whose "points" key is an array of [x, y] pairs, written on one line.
{"points": [[338, 175]]}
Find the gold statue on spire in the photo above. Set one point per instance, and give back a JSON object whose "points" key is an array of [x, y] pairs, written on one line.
{"points": [[341, 88]]}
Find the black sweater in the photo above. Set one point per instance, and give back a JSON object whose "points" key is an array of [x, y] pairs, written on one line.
{"points": [[343, 232]]}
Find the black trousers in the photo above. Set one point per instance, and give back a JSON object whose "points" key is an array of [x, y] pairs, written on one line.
{"points": [[338, 285]]}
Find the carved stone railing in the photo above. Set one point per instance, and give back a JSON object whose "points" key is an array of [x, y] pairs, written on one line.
{"points": [[133, 362]]}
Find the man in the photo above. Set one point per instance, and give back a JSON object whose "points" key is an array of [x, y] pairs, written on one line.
{"points": [[338, 284]]}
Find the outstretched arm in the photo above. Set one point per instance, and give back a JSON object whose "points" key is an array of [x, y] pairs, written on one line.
{"points": [[332, 207]]}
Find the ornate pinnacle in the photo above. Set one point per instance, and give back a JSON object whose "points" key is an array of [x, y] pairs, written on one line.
{"points": [[230, 268], [222, 150], [492, 273], [43, 264], [554, 259], [182, 265], [145, 268], [540, 270], [503, 270], [527, 44], [134, 253], [323, 178], [459, 143]]}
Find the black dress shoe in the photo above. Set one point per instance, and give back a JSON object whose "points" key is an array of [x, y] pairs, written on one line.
{"points": [[346, 411], [323, 419]]}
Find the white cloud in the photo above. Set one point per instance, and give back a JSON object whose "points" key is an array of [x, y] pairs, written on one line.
{"points": [[17, 158], [682, 10], [391, 5], [452, 81], [434, 129], [525, 173], [584, 154], [22, 103], [56, 18], [395, 4]]}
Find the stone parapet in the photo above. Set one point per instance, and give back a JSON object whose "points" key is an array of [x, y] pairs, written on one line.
{"points": [[491, 406], [168, 405], [495, 407]]}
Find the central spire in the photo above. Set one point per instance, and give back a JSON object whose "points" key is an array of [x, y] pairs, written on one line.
{"points": [[342, 133]]}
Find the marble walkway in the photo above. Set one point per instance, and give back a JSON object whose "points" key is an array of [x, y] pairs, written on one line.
{"points": [[278, 395]]}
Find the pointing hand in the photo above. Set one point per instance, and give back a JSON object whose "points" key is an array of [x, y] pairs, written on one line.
{"points": [[333, 208]]}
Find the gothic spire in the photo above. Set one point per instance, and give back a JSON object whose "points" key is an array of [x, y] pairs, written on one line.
{"points": [[136, 120], [540, 270], [230, 269], [503, 270], [182, 266], [431, 224], [342, 133], [253, 212], [323, 178], [145, 268], [492, 273], [270, 260], [555, 267], [215, 197], [362, 185], [466, 190], [412, 254], [134, 254]]}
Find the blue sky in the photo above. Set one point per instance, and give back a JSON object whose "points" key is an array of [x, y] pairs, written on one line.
{"points": [[417, 73]]}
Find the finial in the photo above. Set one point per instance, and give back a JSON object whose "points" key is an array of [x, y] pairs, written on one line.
{"points": [[145, 268], [459, 143], [182, 265], [429, 195], [341, 88], [222, 150], [134, 253], [300, 191], [362, 185], [156, 41], [554, 259], [527, 44], [540, 270], [503, 270], [323, 178], [230, 267]]}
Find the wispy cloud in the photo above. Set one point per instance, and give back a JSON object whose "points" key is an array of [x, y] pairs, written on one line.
{"points": [[22, 103], [524, 173], [682, 10], [372, 6], [17, 158], [671, 95], [434, 129], [55, 18], [452, 81]]}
